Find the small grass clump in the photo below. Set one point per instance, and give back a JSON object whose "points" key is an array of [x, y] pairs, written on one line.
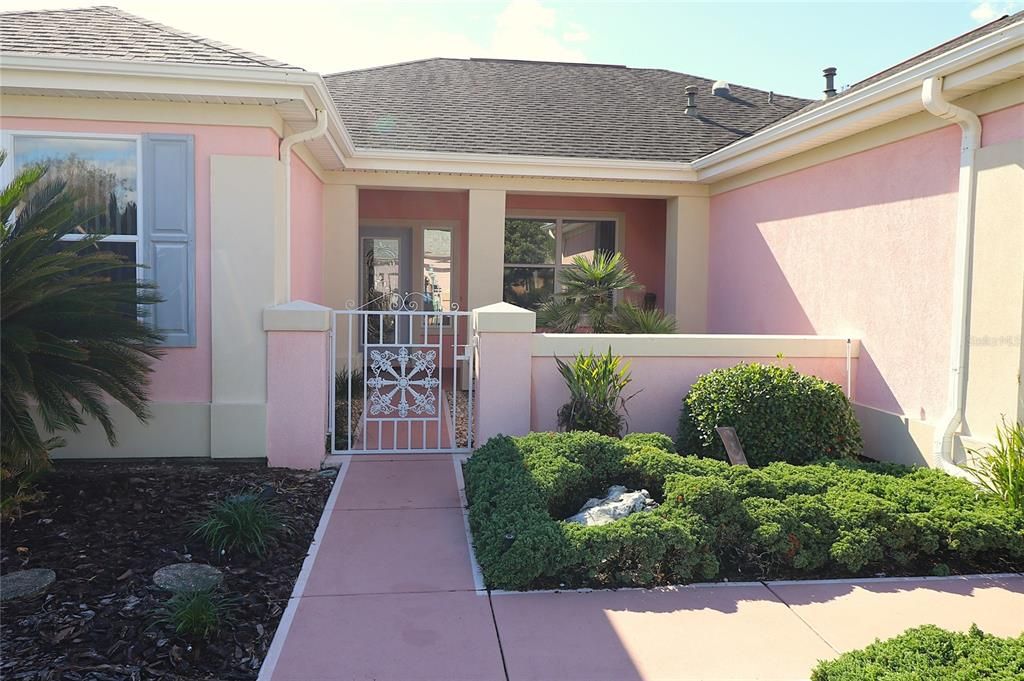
{"points": [[929, 653], [243, 523], [197, 614]]}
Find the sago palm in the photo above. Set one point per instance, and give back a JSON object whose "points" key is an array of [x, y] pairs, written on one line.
{"points": [[588, 290], [71, 336]]}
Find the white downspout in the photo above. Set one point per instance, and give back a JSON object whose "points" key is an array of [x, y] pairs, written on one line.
{"points": [[935, 102], [286, 158]]}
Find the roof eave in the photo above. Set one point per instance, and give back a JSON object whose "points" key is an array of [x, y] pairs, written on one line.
{"points": [[261, 85], [995, 57], [520, 165]]}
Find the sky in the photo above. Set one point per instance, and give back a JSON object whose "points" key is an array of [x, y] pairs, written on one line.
{"points": [[770, 45]]}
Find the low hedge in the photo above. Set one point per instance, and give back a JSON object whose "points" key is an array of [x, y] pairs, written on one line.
{"points": [[929, 653], [779, 415], [717, 521]]}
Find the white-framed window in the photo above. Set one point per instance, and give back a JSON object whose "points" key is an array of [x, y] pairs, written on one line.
{"points": [[537, 250], [103, 171], [138, 192]]}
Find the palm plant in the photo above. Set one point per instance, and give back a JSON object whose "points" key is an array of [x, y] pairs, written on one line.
{"points": [[588, 294], [596, 384], [588, 290], [71, 332], [630, 318]]}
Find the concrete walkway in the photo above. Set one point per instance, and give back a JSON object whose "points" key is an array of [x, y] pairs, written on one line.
{"points": [[389, 593]]}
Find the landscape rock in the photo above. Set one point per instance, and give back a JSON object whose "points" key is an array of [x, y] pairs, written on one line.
{"points": [[616, 504], [25, 583], [187, 577]]}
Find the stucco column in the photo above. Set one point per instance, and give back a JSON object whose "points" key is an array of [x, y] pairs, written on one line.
{"points": [[504, 370], [686, 262], [248, 271], [341, 245], [486, 246], [297, 383]]}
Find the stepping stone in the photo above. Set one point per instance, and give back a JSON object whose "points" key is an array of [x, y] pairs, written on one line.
{"points": [[25, 583], [187, 577]]}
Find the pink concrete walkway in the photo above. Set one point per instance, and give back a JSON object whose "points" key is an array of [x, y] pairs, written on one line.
{"points": [[389, 593]]}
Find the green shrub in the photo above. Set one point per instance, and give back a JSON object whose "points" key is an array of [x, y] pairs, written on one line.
{"points": [[243, 522], [929, 653], [1000, 467], [778, 413], [660, 441], [197, 614], [595, 384], [833, 519]]}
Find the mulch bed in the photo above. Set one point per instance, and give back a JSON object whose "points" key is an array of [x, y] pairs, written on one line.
{"points": [[105, 528]]}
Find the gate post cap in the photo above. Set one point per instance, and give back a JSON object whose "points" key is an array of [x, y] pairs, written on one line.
{"points": [[298, 315], [504, 318]]}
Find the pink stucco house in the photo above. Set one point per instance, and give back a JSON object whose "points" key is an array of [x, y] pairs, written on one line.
{"points": [[874, 236]]}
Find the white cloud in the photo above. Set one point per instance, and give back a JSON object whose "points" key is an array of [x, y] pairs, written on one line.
{"points": [[576, 34], [526, 29], [987, 10], [339, 35]]}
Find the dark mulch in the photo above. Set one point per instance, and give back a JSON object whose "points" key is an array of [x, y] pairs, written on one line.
{"points": [[105, 528]]}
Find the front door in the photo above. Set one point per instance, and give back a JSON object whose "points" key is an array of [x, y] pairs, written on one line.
{"points": [[385, 278]]}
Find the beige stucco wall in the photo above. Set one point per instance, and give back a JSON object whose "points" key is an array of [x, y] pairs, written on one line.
{"points": [[341, 251], [997, 291], [687, 225], [486, 246], [247, 217]]}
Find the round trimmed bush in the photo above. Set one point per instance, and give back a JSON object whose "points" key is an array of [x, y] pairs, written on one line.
{"points": [[778, 413]]}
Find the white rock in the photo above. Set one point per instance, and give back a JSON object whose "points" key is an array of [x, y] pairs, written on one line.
{"points": [[616, 504]]}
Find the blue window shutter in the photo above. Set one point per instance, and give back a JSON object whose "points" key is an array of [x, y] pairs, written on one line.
{"points": [[168, 197]]}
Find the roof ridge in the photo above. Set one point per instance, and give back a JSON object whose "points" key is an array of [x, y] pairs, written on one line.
{"points": [[7, 12], [388, 66], [261, 59], [550, 62]]}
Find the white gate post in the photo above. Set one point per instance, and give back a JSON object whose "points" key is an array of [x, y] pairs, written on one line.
{"points": [[298, 342], [504, 370]]}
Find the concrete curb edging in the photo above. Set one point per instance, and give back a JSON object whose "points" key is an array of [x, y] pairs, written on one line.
{"points": [[277, 644]]}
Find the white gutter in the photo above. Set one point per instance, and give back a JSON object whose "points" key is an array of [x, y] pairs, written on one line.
{"points": [[286, 158], [935, 102]]}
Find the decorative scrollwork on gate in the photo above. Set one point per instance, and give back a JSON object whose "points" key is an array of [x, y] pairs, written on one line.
{"points": [[412, 381], [410, 301]]}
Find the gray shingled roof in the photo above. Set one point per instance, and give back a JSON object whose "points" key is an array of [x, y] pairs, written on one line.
{"points": [[109, 33], [493, 106]]}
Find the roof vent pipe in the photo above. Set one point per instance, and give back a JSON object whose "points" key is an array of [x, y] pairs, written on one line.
{"points": [[691, 100], [830, 82]]}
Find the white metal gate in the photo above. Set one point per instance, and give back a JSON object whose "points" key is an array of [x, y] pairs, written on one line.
{"points": [[401, 378]]}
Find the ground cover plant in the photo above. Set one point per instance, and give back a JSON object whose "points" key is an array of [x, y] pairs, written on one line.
{"points": [[929, 653], [779, 415], [717, 521], [105, 529]]}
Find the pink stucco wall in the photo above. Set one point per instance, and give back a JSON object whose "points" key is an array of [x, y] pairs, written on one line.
{"points": [[184, 374], [859, 246], [643, 237], [662, 383], [297, 362], [307, 227]]}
